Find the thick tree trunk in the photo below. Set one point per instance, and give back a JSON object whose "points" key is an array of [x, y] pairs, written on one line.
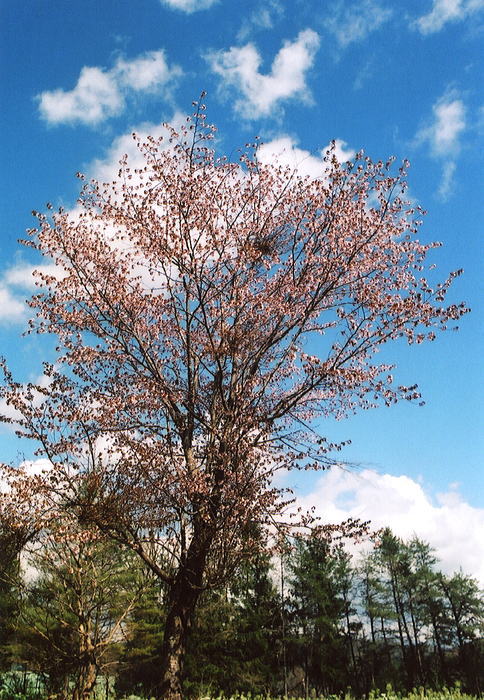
{"points": [[182, 601], [86, 679], [88, 668], [181, 607]]}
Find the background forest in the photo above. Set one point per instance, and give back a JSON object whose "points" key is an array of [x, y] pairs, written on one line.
{"points": [[313, 619]]}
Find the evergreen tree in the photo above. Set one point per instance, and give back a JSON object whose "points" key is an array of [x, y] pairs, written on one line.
{"points": [[393, 560], [465, 627], [9, 584], [258, 625], [431, 610], [138, 669], [317, 607], [73, 609], [236, 640], [377, 649]]}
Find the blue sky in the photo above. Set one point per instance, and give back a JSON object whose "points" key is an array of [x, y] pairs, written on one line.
{"points": [[392, 77]]}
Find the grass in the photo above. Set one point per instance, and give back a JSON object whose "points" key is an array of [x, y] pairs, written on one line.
{"points": [[16, 685], [389, 694]]}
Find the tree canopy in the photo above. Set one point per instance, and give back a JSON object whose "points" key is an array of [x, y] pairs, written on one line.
{"points": [[206, 313]]}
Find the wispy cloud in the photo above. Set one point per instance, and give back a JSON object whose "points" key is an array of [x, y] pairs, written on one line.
{"points": [[100, 94], [263, 17], [189, 6], [351, 23], [442, 135], [448, 523], [15, 285], [445, 11], [444, 132], [239, 67], [446, 183]]}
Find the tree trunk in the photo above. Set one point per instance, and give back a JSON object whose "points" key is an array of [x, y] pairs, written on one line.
{"points": [[87, 668], [182, 600], [417, 649], [86, 679], [397, 603]]}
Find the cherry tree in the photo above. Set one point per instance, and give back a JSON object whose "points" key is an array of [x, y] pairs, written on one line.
{"points": [[209, 314]]}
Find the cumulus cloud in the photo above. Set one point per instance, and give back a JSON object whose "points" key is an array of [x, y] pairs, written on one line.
{"points": [[145, 73], [239, 67], [95, 98], [442, 135], [34, 467], [445, 11], [106, 169], [350, 23], [453, 527], [189, 6], [284, 151], [100, 94]]}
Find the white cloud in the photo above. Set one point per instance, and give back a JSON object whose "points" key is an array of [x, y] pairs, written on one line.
{"points": [[239, 67], [15, 278], [35, 467], [22, 275], [444, 11], [95, 98], [354, 22], [9, 411], [448, 123], [100, 94], [447, 181], [147, 72], [284, 151], [453, 527], [442, 135], [263, 17], [342, 151], [11, 307], [106, 169], [27, 468], [189, 6]]}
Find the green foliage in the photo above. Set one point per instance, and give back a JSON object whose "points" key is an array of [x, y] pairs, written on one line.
{"points": [[9, 598], [68, 615], [313, 624], [17, 685], [318, 607], [235, 642], [138, 667], [389, 694]]}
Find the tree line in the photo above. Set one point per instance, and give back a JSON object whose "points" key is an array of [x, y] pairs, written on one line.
{"points": [[313, 619]]}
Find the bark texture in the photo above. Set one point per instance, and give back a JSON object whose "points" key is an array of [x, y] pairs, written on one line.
{"points": [[182, 601]]}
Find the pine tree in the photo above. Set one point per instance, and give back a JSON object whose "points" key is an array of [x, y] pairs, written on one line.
{"points": [[138, 669], [317, 608], [9, 599], [465, 627]]}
